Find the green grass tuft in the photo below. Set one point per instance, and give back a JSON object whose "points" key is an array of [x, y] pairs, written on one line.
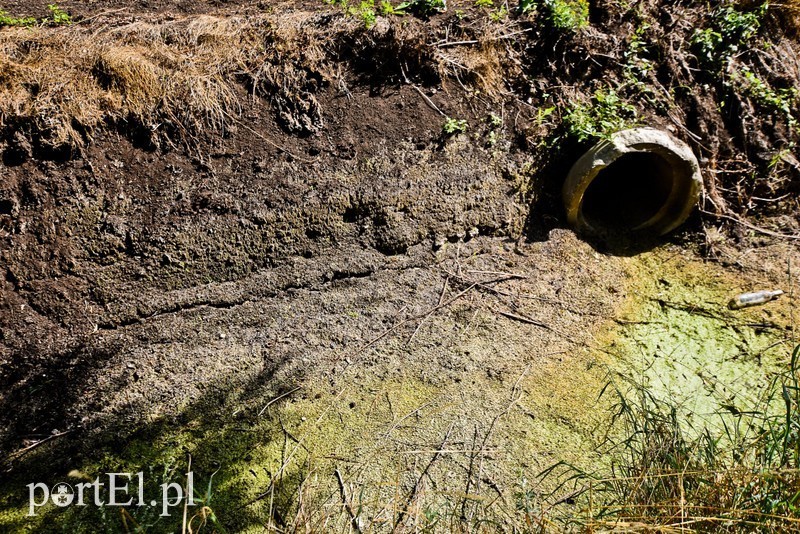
{"points": [[668, 473]]}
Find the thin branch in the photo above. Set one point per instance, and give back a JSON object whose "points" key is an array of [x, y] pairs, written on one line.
{"points": [[347, 505], [417, 484], [447, 44], [752, 226], [523, 319], [276, 399], [428, 101], [416, 317], [22, 452], [269, 142]]}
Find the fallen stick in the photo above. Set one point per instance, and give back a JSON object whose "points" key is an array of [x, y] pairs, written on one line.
{"points": [[346, 500], [523, 319], [22, 452]]}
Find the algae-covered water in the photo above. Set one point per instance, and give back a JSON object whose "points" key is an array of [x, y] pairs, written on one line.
{"points": [[676, 336], [473, 445]]}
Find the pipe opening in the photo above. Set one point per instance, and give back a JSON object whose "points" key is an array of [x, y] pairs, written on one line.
{"points": [[629, 192], [641, 179]]}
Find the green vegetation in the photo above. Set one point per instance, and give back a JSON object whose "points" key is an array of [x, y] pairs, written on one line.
{"points": [[365, 10], [606, 114], [499, 14], [58, 17], [484, 3], [666, 471], [783, 101], [730, 30], [637, 66], [716, 47], [8, 20], [453, 126], [563, 15], [386, 9], [423, 8], [567, 15], [495, 124]]}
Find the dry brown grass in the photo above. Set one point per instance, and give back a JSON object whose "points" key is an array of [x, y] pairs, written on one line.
{"points": [[63, 84], [175, 81], [172, 79]]}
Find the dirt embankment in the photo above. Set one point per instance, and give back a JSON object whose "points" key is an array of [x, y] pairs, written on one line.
{"points": [[312, 180], [197, 207]]}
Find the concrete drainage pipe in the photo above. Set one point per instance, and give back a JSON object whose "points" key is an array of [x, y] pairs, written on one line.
{"points": [[640, 179]]}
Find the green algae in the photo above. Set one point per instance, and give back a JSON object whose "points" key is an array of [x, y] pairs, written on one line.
{"points": [[378, 434], [677, 338], [275, 460]]}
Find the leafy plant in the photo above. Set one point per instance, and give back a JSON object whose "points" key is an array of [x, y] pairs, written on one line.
{"points": [[495, 124], [499, 14], [544, 113], [452, 126], [58, 17], [365, 10], [637, 66], [606, 114], [730, 29], [8, 20], [567, 15], [387, 9], [563, 15], [782, 100], [424, 8], [484, 3]]}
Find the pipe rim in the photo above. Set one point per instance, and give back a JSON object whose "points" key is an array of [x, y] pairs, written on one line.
{"points": [[686, 180]]}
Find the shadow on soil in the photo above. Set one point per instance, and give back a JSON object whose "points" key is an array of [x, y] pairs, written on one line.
{"points": [[219, 437]]}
